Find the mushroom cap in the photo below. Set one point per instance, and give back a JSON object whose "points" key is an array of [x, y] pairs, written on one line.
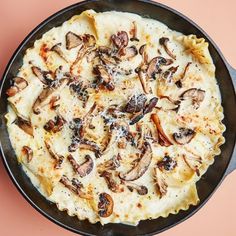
{"points": [[105, 205], [184, 136]]}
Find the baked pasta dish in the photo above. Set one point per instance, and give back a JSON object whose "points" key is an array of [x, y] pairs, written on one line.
{"points": [[115, 117]]}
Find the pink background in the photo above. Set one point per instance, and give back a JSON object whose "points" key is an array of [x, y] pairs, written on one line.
{"points": [[18, 18]]}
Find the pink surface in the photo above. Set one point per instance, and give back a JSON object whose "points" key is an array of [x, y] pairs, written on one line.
{"points": [[18, 18]]}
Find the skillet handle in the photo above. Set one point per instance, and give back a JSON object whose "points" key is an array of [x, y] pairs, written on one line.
{"points": [[232, 72], [232, 164]]}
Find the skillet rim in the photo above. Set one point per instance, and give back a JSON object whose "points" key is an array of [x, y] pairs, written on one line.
{"points": [[34, 32]]}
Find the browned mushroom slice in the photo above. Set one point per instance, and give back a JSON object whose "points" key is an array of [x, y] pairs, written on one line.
{"points": [[151, 105], [161, 185], [28, 152], [73, 40], [143, 53], [133, 32], [197, 96], [89, 40], [179, 82], [154, 65], [130, 52], [167, 104], [162, 138], [136, 103], [105, 205], [184, 136], [55, 125], [141, 189], [75, 186], [46, 95], [104, 77], [57, 49], [144, 81], [83, 169], [54, 102], [90, 145], [42, 75], [111, 164], [168, 74], [120, 40], [58, 158], [25, 125], [167, 163], [164, 41], [111, 183], [142, 165], [193, 162], [147, 109], [18, 84]]}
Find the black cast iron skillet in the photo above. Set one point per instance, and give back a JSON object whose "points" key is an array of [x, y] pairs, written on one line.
{"points": [[208, 183]]}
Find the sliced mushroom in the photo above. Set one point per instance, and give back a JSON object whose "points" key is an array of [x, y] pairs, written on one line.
{"points": [[58, 158], [89, 40], [184, 136], [111, 183], [141, 189], [197, 96], [133, 32], [136, 103], [111, 164], [43, 76], [54, 102], [161, 185], [81, 90], [73, 40], [179, 82], [28, 152], [142, 165], [193, 162], [83, 169], [143, 53], [105, 205], [120, 40], [154, 65], [130, 52], [144, 81], [46, 95], [164, 42], [90, 145], [168, 104], [136, 118], [168, 74], [151, 105], [147, 109], [162, 138], [18, 84], [25, 125], [75, 186], [55, 125], [57, 49], [104, 77], [167, 163]]}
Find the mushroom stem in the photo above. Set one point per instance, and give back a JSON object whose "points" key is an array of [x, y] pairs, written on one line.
{"points": [[142, 165], [162, 138]]}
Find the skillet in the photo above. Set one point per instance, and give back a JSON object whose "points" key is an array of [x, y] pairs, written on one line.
{"points": [[222, 166]]}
